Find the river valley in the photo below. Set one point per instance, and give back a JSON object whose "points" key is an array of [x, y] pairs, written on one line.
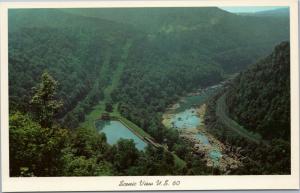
{"points": [[187, 116]]}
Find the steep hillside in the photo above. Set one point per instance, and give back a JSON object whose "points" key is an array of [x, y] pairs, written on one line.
{"points": [[260, 97], [252, 115], [73, 49]]}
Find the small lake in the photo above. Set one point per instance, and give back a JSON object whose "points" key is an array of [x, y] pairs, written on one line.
{"points": [[115, 130]]}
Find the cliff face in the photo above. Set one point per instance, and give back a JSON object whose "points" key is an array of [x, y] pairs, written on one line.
{"points": [[260, 96]]}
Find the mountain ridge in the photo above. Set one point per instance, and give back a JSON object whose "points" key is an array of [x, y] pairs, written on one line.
{"points": [[259, 97]]}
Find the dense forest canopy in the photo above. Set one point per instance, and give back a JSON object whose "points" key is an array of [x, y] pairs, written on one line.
{"points": [[263, 100], [259, 100], [211, 31], [135, 62]]}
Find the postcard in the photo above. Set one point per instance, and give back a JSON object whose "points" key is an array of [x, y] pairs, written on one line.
{"points": [[149, 95]]}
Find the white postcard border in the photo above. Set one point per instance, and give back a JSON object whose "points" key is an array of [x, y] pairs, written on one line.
{"points": [[104, 183]]}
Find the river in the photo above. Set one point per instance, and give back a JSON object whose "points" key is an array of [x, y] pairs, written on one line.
{"points": [[187, 116]]}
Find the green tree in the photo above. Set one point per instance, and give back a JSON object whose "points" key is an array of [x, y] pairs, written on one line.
{"points": [[108, 107], [83, 166], [89, 143], [23, 144], [34, 150], [44, 100], [125, 155]]}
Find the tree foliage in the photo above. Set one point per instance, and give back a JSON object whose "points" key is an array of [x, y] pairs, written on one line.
{"points": [[260, 96], [259, 100], [44, 101], [33, 147]]}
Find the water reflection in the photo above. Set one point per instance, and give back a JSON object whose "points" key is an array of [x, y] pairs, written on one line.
{"points": [[115, 130]]}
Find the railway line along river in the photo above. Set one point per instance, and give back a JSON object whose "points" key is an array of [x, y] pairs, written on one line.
{"points": [[187, 116]]}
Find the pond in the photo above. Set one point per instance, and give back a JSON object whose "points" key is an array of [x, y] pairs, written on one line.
{"points": [[115, 130]]}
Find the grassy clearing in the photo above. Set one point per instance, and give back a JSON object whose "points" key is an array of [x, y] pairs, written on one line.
{"points": [[92, 116], [222, 114], [100, 107]]}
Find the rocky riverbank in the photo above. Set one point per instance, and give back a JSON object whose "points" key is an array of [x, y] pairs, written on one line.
{"points": [[205, 145]]}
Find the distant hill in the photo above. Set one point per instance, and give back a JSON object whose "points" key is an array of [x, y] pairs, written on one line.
{"points": [[260, 97], [210, 31], [154, 20]]}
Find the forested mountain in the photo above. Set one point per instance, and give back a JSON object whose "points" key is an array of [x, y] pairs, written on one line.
{"points": [[260, 97], [74, 49], [132, 63], [255, 115]]}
